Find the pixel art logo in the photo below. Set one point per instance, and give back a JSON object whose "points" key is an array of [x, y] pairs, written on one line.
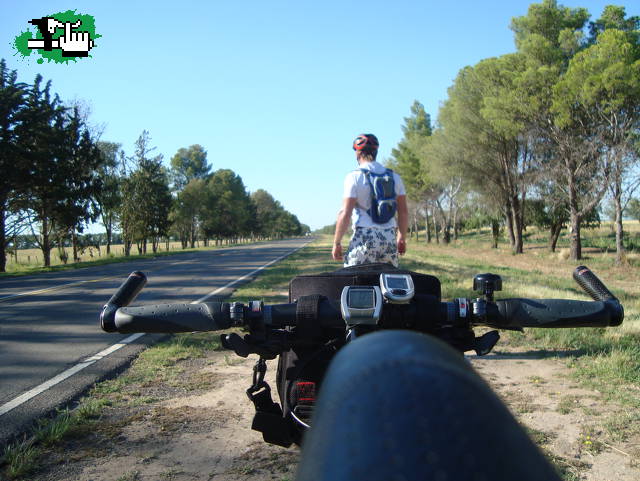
{"points": [[60, 37]]}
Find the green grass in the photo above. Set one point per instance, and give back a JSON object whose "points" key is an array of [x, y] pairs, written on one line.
{"points": [[23, 269], [20, 458], [605, 358], [23, 457]]}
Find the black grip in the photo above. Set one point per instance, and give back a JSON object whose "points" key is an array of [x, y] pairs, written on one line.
{"points": [[592, 285], [206, 316], [129, 289], [556, 313]]}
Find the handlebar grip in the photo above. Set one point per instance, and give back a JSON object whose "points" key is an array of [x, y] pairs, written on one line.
{"points": [[592, 285], [557, 313], [129, 289], [206, 316]]}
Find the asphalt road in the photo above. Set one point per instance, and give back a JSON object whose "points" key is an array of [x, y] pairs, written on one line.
{"points": [[48, 322]]}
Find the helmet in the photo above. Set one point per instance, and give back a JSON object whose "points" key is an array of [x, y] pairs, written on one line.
{"points": [[366, 142]]}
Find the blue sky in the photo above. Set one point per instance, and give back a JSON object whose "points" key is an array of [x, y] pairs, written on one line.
{"points": [[275, 90]]}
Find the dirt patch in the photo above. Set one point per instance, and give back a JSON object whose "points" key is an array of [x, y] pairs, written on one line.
{"points": [[191, 431], [568, 422]]}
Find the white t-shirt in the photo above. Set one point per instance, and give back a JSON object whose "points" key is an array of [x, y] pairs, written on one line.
{"points": [[357, 187]]}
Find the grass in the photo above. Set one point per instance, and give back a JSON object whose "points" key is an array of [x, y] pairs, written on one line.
{"points": [[607, 359], [22, 457], [24, 266]]}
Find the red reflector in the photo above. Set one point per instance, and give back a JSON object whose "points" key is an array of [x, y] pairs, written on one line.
{"points": [[306, 391]]}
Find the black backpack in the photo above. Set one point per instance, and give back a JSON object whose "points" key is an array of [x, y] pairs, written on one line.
{"points": [[383, 196]]}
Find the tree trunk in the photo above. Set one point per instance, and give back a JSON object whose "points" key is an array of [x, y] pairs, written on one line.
{"points": [[109, 232], [517, 227], [554, 234], [509, 222], [427, 225], [74, 242], [617, 199], [576, 242], [45, 244], [574, 221], [3, 240], [495, 233], [455, 224]]}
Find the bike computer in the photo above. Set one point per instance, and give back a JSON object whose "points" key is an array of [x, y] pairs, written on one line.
{"points": [[397, 288], [361, 304]]}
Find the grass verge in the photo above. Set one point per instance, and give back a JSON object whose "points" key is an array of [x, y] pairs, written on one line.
{"points": [[20, 269]]}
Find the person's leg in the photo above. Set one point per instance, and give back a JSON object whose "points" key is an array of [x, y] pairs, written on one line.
{"points": [[361, 247], [386, 248]]}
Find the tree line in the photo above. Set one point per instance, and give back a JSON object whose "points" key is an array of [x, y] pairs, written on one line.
{"points": [[58, 177], [539, 136]]}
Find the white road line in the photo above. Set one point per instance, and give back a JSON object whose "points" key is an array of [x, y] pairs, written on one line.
{"points": [[14, 403], [23, 398], [240, 279], [55, 288]]}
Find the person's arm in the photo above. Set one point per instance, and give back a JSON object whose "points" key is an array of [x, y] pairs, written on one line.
{"points": [[403, 223], [344, 217]]}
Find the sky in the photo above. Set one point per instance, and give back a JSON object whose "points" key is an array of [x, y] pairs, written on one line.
{"points": [[275, 91]]}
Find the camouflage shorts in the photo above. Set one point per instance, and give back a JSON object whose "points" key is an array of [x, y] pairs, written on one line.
{"points": [[371, 245]]}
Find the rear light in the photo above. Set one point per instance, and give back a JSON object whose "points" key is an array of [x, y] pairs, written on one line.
{"points": [[306, 392]]}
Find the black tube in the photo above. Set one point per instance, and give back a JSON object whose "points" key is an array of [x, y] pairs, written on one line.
{"points": [[561, 313], [403, 405], [281, 315], [592, 285], [129, 289], [124, 296], [206, 316]]}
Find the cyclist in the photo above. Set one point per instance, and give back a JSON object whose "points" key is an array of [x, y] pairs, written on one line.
{"points": [[374, 239]]}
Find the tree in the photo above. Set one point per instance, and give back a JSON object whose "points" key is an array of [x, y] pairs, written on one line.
{"points": [[273, 220], [63, 160], [109, 198], [81, 159], [484, 138], [633, 209], [600, 96], [146, 199], [406, 160], [229, 211], [547, 38], [188, 164], [189, 211], [12, 164]]}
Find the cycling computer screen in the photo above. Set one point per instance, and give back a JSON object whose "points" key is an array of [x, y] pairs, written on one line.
{"points": [[361, 299], [397, 288], [361, 304]]}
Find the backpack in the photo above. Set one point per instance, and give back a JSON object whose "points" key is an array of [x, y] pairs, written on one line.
{"points": [[383, 196]]}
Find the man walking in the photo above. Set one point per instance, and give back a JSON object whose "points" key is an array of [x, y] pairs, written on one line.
{"points": [[376, 194]]}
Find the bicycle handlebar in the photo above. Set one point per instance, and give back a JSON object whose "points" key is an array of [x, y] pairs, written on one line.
{"points": [[502, 314]]}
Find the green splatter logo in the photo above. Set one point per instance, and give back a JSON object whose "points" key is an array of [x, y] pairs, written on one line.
{"points": [[59, 37]]}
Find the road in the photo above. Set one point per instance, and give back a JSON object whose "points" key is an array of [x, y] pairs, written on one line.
{"points": [[48, 322]]}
